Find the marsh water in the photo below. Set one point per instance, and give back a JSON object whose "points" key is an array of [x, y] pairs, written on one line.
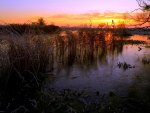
{"points": [[100, 71], [98, 62]]}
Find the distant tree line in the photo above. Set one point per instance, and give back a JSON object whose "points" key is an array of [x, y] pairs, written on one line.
{"points": [[39, 27]]}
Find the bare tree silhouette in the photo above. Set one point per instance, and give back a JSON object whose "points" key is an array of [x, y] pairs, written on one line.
{"points": [[144, 4], [144, 16]]}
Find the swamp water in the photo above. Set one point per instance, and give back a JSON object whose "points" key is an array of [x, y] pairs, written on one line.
{"points": [[100, 71], [99, 64]]}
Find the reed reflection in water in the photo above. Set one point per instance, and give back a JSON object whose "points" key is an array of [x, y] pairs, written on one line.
{"points": [[88, 60], [85, 47]]}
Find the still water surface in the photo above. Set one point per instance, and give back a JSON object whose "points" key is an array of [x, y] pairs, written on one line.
{"points": [[104, 75]]}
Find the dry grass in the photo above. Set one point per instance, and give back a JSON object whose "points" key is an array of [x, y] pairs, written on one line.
{"points": [[25, 62]]}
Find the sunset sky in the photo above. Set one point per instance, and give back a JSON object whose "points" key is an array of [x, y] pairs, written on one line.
{"points": [[66, 12]]}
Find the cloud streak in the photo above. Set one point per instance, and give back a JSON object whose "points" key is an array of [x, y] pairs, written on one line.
{"points": [[76, 19], [94, 17]]}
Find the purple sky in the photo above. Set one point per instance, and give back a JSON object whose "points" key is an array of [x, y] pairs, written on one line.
{"points": [[66, 6], [24, 8]]}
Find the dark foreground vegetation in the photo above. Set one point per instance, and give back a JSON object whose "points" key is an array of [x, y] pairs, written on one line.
{"points": [[21, 29], [26, 63]]}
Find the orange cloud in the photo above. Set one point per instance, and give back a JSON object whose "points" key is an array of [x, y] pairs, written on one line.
{"points": [[94, 18], [88, 18]]}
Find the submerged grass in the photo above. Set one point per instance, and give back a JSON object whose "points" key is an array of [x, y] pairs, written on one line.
{"points": [[145, 60], [69, 101], [124, 65]]}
